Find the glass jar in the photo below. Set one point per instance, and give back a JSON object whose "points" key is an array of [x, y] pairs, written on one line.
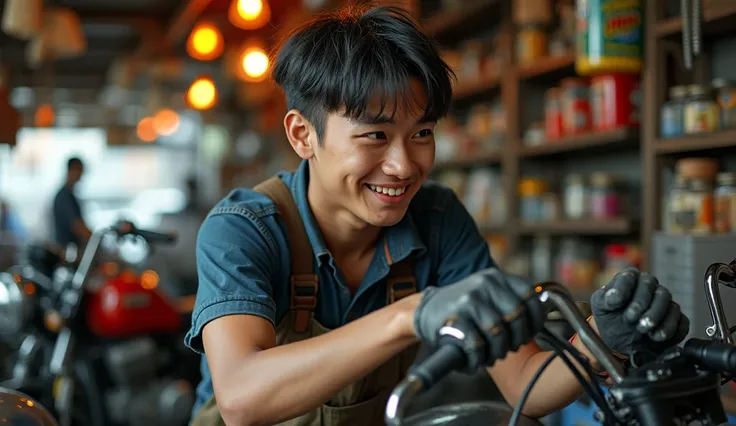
{"points": [[726, 98], [702, 112], [531, 43], [605, 202], [577, 264], [574, 204], [676, 205], [673, 113], [725, 203], [531, 203], [616, 258], [696, 216]]}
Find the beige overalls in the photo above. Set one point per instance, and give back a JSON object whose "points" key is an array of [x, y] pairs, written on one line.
{"points": [[363, 402]]}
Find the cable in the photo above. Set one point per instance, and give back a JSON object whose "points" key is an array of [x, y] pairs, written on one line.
{"points": [[595, 392], [522, 400]]}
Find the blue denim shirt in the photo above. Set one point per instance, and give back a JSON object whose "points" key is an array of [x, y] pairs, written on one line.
{"points": [[243, 259]]}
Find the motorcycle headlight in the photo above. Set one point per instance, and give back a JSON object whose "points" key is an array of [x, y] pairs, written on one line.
{"points": [[16, 303]]}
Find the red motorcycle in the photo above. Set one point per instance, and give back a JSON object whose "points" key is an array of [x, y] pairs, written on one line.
{"points": [[100, 348]]}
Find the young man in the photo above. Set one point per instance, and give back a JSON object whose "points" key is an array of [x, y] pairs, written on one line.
{"points": [[308, 315], [69, 226]]}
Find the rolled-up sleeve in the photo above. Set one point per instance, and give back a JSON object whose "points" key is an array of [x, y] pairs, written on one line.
{"points": [[463, 250], [235, 264]]}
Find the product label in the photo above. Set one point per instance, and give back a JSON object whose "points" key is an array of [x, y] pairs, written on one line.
{"points": [[701, 117], [613, 29]]}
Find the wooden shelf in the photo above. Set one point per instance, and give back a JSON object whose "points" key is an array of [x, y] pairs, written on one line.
{"points": [[695, 143], [548, 65], [620, 226], [590, 141], [450, 21], [467, 162], [467, 89], [716, 17]]}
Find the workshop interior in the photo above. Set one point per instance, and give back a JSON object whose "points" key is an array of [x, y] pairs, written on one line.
{"points": [[585, 136]]}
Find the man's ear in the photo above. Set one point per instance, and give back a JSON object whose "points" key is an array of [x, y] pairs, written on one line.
{"points": [[301, 134]]}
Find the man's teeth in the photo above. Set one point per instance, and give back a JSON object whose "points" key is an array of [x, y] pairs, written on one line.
{"points": [[388, 191]]}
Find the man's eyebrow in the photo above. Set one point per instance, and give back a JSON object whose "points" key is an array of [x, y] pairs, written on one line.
{"points": [[382, 119]]}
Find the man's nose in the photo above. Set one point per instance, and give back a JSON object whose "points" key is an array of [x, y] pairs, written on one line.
{"points": [[398, 162]]}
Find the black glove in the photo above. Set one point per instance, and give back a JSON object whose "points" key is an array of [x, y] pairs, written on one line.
{"points": [[634, 313], [502, 313]]}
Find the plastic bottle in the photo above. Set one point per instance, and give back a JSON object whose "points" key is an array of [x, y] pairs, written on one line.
{"points": [[609, 39]]}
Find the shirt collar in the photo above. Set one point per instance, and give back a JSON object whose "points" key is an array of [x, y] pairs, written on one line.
{"points": [[402, 239]]}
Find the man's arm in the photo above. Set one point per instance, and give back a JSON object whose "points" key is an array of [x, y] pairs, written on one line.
{"points": [[71, 210], [464, 251], [256, 382]]}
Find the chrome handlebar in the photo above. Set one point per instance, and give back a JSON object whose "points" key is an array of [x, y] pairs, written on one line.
{"points": [[552, 295]]}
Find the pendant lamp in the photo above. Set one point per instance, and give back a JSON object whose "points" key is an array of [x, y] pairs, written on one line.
{"points": [[23, 18], [65, 33]]}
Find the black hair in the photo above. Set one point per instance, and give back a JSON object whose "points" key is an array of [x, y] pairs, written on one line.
{"points": [[74, 162], [343, 60]]}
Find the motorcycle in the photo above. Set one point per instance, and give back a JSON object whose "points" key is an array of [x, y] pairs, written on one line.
{"points": [[99, 349], [679, 387], [17, 409]]}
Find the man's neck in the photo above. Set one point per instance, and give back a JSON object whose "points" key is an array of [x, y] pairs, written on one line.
{"points": [[344, 234]]}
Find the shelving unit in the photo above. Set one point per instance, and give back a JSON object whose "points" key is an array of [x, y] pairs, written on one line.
{"points": [[662, 38], [661, 34], [589, 227], [613, 139]]}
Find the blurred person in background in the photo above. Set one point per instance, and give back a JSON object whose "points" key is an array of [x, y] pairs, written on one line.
{"points": [[69, 226]]}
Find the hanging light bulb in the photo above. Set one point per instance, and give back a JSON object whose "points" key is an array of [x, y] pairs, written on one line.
{"points": [[202, 94], [254, 62], [205, 42], [249, 14]]}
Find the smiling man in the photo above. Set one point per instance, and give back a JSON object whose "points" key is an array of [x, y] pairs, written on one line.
{"points": [[315, 286]]}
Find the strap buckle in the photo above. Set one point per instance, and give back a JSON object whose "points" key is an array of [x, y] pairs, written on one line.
{"points": [[400, 287], [304, 292]]}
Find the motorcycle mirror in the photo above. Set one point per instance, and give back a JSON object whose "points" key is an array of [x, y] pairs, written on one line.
{"points": [[18, 409]]}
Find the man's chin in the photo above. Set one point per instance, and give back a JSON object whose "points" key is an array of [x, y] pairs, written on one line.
{"points": [[386, 220]]}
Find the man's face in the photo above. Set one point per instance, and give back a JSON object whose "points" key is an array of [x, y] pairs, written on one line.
{"points": [[373, 168], [75, 173]]}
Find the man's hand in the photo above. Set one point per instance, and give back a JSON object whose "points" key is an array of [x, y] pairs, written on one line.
{"points": [[503, 311], [634, 312]]}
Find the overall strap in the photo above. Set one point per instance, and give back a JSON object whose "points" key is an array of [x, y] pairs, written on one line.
{"points": [[401, 281], [304, 282]]}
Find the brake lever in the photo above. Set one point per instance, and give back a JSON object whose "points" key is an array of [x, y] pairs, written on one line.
{"points": [[715, 275]]}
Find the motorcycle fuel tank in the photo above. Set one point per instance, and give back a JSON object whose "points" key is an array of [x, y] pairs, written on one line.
{"points": [[123, 308], [468, 414]]}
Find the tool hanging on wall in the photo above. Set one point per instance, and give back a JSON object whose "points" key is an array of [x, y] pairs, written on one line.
{"points": [[692, 31]]}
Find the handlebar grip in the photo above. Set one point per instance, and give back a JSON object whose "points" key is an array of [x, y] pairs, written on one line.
{"points": [[715, 355], [445, 359], [156, 237]]}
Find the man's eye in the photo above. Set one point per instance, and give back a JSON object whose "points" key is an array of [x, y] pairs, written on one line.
{"points": [[423, 133], [375, 135]]}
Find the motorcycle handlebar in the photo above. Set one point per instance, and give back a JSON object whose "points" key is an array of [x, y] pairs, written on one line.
{"points": [[449, 356], [713, 355], [127, 228]]}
